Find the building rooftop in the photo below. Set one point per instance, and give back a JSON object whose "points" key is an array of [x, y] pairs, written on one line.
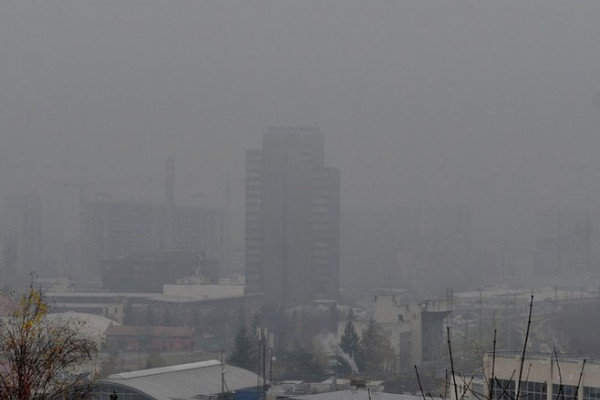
{"points": [[356, 394], [186, 381], [131, 330], [52, 295]]}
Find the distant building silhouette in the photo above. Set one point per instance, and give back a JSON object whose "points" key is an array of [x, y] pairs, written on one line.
{"points": [[148, 272], [448, 248], [115, 228], [382, 248], [22, 234], [292, 222], [111, 229], [563, 241]]}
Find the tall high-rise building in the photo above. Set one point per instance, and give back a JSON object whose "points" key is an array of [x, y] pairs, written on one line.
{"points": [[22, 234], [292, 223]]}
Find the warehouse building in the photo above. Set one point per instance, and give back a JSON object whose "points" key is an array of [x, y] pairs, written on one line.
{"points": [[204, 380]]}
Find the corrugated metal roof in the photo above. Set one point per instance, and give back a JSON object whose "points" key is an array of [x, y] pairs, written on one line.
{"points": [[356, 394], [164, 370], [186, 381]]}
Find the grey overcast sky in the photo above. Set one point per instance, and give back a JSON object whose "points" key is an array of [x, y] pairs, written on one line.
{"points": [[494, 104]]}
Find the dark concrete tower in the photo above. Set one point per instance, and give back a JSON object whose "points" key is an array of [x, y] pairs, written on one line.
{"points": [[292, 218]]}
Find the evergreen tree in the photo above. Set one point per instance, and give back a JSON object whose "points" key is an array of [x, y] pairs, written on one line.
{"points": [[244, 351], [350, 345], [375, 348], [351, 316], [350, 342], [300, 363]]}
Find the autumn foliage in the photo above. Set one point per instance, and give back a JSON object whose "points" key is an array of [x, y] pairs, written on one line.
{"points": [[42, 356]]}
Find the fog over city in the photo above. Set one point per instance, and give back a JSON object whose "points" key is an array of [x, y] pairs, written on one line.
{"points": [[344, 183], [490, 105]]}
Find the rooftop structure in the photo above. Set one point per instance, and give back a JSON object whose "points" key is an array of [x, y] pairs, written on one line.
{"points": [[194, 381]]}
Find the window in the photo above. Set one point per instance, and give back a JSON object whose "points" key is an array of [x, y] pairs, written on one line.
{"points": [[534, 390], [504, 390], [102, 391], [564, 392], [591, 393]]}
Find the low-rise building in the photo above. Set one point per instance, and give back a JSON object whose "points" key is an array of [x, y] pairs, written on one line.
{"points": [[544, 377], [204, 380], [148, 272], [415, 330], [214, 310], [355, 394], [150, 338]]}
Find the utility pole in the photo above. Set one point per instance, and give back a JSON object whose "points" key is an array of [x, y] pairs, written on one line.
{"points": [[271, 358], [264, 339], [222, 374], [480, 315], [264, 360]]}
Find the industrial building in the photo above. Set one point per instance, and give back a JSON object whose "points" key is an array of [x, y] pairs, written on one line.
{"points": [[292, 221], [544, 377], [213, 309], [415, 330], [204, 380], [354, 394]]}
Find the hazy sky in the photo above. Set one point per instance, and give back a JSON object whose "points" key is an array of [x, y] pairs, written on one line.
{"points": [[495, 104]]}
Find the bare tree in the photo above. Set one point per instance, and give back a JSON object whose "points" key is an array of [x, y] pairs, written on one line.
{"points": [[42, 356]]}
